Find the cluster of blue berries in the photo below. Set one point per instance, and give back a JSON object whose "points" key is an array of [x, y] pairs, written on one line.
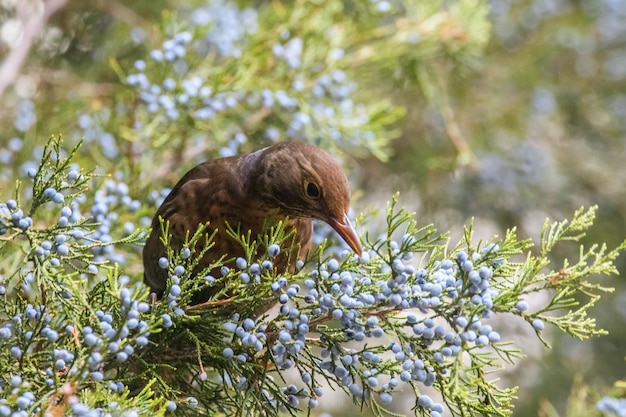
{"points": [[25, 398], [109, 203], [25, 116], [30, 331], [156, 198], [12, 216], [290, 51], [93, 130], [367, 309], [228, 27], [175, 290], [36, 331], [76, 228], [170, 83], [7, 155], [66, 350], [185, 93], [118, 342], [612, 406]]}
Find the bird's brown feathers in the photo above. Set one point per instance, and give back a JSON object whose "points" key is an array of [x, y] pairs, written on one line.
{"points": [[249, 192]]}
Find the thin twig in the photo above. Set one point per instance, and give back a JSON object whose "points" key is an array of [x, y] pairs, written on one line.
{"points": [[210, 304]]}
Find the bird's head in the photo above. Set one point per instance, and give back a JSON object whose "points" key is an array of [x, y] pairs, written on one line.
{"points": [[305, 182]]}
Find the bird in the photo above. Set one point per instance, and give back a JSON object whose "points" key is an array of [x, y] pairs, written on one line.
{"points": [[292, 182]]}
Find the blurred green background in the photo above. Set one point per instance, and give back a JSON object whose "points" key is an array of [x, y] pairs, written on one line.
{"points": [[508, 111]]}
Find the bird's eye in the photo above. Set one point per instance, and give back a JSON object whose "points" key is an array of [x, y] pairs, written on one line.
{"points": [[312, 190]]}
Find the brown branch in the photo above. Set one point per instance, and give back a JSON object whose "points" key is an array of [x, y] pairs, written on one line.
{"points": [[210, 304], [33, 24]]}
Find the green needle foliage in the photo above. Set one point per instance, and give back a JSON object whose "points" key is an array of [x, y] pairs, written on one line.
{"points": [[418, 313], [79, 334]]}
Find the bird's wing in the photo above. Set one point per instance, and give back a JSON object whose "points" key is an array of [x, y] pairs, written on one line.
{"points": [[203, 170], [187, 205]]}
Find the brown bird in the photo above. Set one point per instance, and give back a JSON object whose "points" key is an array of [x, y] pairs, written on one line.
{"points": [[290, 181]]}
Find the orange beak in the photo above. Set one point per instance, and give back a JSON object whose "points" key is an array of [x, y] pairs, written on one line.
{"points": [[347, 233]]}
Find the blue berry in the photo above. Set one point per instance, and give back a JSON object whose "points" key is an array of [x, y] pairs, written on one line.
{"points": [[248, 324], [482, 340], [494, 336], [273, 250], [241, 263], [425, 401], [386, 398], [58, 198], [16, 352], [378, 332], [284, 337], [467, 266], [63, 250], [91, 339], [333, 265], [50, 334], [16, 381], [228, 353], [25, 223], [485, 273], [166, 320], [163, 263], [341, 372], [49, 192], [372, 321], [538, 324], [23, 403], [142, 341]]}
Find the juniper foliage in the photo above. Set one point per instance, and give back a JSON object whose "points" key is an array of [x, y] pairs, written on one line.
{"points": [[79, 335], [417, 313]]}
